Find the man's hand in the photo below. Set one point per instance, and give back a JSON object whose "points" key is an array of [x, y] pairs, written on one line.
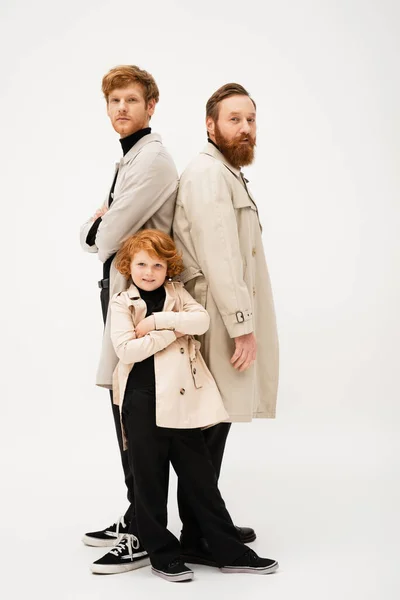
{"points": [[99, 213], [245, 351], [145, 326]]}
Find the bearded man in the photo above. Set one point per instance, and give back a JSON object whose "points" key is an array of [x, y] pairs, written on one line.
{"points": [[217, 228]]}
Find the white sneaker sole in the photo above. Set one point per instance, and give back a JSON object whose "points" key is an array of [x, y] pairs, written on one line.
{"points": [[99, 543], [115, 569], [177, 577], [253, 570]]}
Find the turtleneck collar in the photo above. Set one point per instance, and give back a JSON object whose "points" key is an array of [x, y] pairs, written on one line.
{"points": [[145, 294], [128, 142]]}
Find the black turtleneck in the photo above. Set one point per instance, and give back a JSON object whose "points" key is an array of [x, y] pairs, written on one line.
{"points": [[127, 143], [154, 300], [142, 373]]}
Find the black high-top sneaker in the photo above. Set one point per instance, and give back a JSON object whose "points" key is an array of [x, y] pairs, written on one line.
{"points": [[108, 536], [250, 562], [127, 555]]}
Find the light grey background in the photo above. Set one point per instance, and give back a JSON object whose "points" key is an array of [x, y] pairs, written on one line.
{"points": [[320, 484]]}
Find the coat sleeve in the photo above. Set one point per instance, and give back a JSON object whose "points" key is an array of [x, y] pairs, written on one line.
{"points": [[86, 227], [128, 348], [193, 319], [85, 230], [207, 202], [147, 183]]}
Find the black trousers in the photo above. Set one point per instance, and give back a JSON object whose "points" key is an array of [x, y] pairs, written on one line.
{"points": [[151, 449], [214, 438], [104, 300]]}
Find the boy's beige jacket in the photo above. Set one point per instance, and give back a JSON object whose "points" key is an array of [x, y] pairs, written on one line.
{"points": [[217, 228], [186, 393]]}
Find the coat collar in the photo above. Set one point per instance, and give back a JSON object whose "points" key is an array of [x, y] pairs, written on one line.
{"points": [[147, 139], [211, 150]]}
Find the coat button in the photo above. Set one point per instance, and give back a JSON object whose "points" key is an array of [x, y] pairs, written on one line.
{"points": [[182, 391], [253, 252], [182, 351], [254, 291], [194, 371]]}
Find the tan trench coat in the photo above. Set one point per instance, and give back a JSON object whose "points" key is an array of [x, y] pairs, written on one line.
{"points": [[144, 198], [186, 394], [216, 226]]}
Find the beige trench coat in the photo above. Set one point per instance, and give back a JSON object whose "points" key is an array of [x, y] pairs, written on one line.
{"points": [[216, 226], [186, 394], [144, 198]]}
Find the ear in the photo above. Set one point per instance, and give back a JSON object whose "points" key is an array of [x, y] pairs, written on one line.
{"points": [[210, 124], [151, 106], [108, 108]]}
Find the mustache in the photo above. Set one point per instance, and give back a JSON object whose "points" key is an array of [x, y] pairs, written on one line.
{"points": [[243, 137], [248, 136]]}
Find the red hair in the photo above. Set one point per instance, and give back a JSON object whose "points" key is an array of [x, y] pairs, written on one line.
{"points": [[157, 244], [124, 75]]}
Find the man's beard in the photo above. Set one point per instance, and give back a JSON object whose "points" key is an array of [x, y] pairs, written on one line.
{"points": [[235, 152]]}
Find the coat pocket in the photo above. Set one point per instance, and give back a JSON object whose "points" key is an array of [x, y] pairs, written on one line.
{"points": [[196, 374], [244, 267], [197, 365]]}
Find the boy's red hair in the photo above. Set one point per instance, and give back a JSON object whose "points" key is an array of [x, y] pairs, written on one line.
{"points": [[157, 244]]}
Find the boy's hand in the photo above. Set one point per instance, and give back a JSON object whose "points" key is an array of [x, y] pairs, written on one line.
{"points": [[144, 327]]}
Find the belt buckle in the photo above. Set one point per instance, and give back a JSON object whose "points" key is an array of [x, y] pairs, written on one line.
{"points": [[239, 316]]}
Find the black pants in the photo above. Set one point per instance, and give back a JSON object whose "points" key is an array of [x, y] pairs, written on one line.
{"points": [[215, 440], [104, 300], [151, 449]]}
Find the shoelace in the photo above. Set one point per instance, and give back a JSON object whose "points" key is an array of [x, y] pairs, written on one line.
{"points": [[119, 523], [252, 555], [249, 554], [174, 563], [128, 542]]}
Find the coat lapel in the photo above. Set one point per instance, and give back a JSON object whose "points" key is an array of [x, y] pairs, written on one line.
{"points": [[171, 297], [211, 150], [136, 303], [139, 306]]}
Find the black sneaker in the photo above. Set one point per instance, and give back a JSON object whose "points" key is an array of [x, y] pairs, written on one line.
{"points": [[175, 571], [250, 562], [127, 555], [106, 537], [196, 552]]}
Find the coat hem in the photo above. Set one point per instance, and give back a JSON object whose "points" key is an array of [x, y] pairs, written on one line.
{"points": [[247, 418], [108, 386]]}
